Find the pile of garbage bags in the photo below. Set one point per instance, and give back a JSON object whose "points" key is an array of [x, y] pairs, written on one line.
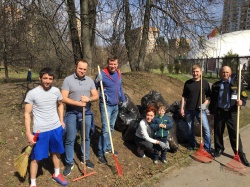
{"points": [[129, 118]]}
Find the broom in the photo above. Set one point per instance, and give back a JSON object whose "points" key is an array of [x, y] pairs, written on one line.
{"points": [[21, 162], [118, 166], [236, 163], [201, 154]]}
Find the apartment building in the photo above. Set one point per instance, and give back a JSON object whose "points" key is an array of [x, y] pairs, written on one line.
{"points": [[236, 15]]}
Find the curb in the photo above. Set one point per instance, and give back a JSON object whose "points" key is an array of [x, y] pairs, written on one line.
{"points": [[177, 165]]}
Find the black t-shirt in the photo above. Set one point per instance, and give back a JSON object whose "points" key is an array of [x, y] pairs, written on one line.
{"points": [[191, 92]]}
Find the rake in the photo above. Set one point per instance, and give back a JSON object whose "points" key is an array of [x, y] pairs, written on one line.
{"points": [[236, 163], [201, 154], [118, 166], [85, 174]]}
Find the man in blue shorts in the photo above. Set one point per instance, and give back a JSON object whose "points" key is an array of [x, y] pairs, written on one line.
{"points": [[45, 103], [78, 91]]}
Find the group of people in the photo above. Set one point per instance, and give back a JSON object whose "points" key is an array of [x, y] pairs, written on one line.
{"points": [[222, 102], [152, 132], [57, 131]]}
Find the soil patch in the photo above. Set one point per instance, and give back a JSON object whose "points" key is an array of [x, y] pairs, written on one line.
{"points": [[136, 170]]}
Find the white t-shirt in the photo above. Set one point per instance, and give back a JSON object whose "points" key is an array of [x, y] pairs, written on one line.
{"points": [[44, 108], [145, 132]]}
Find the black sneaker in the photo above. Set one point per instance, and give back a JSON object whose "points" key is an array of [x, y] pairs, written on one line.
{"points": [[110, 151], [140, 152], [190, 148], [68, 169], [89, 164], [102, 160]]}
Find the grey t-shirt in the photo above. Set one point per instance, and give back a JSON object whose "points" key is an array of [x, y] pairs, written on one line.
{"points": [[44, 108], [77, 88]]}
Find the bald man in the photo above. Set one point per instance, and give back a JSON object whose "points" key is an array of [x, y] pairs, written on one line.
{"points": [[223, 106]]}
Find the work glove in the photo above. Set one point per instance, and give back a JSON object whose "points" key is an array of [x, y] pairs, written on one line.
{"points": [[203, 106], [98, 78], [164, 145], [124, 104]]}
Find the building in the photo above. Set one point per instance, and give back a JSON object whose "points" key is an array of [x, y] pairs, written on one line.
{"points": [[220, 45], [153, 34], [179, 47], [236, 15]]}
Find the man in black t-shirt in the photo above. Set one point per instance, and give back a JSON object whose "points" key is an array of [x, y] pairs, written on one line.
{"points": [[191, 106]]}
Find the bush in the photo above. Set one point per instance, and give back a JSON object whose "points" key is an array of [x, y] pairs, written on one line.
{"points": [[170, 67]]}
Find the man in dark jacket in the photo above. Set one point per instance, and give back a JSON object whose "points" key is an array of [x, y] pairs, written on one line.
{"points": [[223, 106]]}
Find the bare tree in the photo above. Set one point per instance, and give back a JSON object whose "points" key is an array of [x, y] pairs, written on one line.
{"points": [[73, 28], [88, 24]]}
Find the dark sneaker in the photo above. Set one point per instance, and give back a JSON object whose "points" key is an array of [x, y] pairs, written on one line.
{"points": [[89, 164], [102, 160], [60, 179], [110, 151], [140, 152], [68, 169], [190, 148]]}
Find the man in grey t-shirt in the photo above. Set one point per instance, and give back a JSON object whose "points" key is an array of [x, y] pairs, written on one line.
{"points": [[45, 103], [78, 91]]}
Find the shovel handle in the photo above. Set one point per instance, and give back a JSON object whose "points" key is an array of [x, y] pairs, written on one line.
{"points": [[36, 136]]}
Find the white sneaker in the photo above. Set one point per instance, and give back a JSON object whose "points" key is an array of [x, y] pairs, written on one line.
{"points": [[155, 161]]}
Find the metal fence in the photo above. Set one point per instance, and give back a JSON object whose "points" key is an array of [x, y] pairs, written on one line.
{"points": [[211, 66]]}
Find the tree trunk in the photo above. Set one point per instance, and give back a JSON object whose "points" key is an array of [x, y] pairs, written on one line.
{"points": [[76, 45], [128, 38], [88, 22], [4, 42], [142, 52]]}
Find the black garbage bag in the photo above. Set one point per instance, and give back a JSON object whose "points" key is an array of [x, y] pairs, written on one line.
{"points": [[175, 108], [172, 139], [182, 131], [153, 97], [126, 115], [129, 134], [197, 128]]}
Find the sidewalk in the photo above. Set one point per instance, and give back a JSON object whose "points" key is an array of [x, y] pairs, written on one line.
{"points": [[210, 174]]}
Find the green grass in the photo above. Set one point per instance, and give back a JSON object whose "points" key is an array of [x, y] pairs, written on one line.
{"points": [[17, 77], [181, 77]]}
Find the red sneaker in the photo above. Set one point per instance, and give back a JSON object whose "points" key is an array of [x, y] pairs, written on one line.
{"points": [[60, 179]]}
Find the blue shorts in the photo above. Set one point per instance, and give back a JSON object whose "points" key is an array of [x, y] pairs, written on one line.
{"points": [[50, 141]]}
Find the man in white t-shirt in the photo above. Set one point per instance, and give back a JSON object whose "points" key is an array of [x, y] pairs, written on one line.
{"points": [[45, 103]]}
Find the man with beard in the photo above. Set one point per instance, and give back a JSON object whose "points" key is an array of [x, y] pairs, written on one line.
{"points": [[45, 102]]}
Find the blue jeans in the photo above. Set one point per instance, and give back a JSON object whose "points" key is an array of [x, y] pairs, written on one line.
{"points": [[190, 115], [104, 140], [72, 125]]}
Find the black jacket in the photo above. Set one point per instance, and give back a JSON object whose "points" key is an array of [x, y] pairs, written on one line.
{"points": [[215, 96]]}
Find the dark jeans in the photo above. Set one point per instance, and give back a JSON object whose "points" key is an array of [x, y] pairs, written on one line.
{"points": [[157, 149], [143, 144], [221, 118]]}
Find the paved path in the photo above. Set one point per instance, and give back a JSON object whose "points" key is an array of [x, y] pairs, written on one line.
{"points": [[211, 174]]}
